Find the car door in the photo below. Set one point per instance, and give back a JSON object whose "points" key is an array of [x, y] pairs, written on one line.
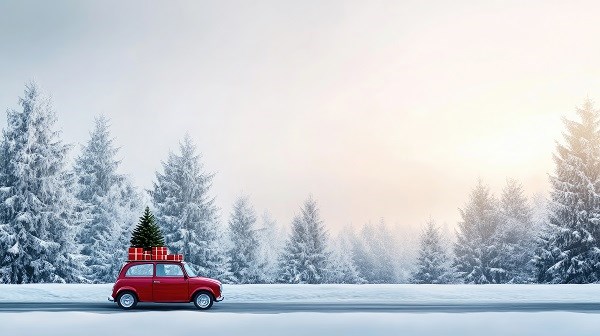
{"points": [[139, 276], [169, 283]]}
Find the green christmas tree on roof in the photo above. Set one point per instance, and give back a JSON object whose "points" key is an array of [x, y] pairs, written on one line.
{"points": [[147, 233]]}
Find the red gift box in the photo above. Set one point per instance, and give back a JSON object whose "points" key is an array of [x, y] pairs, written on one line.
{"points": [[135, 253], [147, 256], [159, 253], [175, 257], [159, 250]]}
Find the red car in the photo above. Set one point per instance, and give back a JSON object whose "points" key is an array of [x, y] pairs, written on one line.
{"points": [[164, 281]]}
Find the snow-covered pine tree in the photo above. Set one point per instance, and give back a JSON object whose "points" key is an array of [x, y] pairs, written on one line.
{"points": [[383, 245], [433, 262], [570, 247], [243, 255], [147, 234], [186, 212], [342, 269], [516, 233], [406, 243], [111, 204], [306, 258], [373, 254], [542, 232], [477, 247], [293, 257], [38, 221], [271, 238]]}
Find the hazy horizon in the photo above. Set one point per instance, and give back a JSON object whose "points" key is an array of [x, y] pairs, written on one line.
{"points": [[379, 110]]}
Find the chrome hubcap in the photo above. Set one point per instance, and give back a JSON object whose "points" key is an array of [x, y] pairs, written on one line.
{"points": [[126, 300], [203, 300]]}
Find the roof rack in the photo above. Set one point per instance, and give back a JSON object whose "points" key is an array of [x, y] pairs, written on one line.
{"points": [[179, 261]]}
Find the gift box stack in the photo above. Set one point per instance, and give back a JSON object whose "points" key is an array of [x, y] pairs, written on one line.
{"points": [[157, 253]]}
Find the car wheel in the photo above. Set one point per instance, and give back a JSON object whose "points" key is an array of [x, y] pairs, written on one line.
{"points": [[203, 300], [127, 300]]}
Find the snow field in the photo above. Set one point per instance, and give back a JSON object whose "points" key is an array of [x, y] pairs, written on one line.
{"points": [[205, 323]]}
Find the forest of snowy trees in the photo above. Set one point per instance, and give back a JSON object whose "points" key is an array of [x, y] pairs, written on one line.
{"points": [[62, 222]]}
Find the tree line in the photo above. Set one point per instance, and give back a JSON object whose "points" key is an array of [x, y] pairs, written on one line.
{"points": [[500, 241], [62, 222]]}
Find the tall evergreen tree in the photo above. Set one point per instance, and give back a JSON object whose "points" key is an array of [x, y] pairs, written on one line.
{"points": [[342, 269], [243, 254], [477, 249], [373, 254], [38, 221], [271, 238], [110, 201], [187, 214], [516, 233], [405, 251], [306, 258], [433, 262], [569, 251], [147, 233]]}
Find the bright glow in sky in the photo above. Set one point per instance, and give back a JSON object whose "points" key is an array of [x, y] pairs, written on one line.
{"points": [[386, 109]]}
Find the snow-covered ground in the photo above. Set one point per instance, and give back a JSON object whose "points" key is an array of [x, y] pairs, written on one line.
{"points": [[192, 322], [199, 323], [435, 294]]}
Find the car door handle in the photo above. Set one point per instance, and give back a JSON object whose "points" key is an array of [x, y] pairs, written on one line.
{"points": [[156, 281]]}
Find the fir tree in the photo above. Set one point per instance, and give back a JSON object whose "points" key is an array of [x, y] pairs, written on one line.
{"points": [[433, 262], [342, 269], [569, 250], [186, 212], [271, 238], [147, 233], [477, 248], [110, 202], [373, 254], [305, 258], [243, 254], [515, 233], [38, 221]]}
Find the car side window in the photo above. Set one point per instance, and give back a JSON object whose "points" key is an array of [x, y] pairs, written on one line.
{"points": [[142, 270], [168, 270]]}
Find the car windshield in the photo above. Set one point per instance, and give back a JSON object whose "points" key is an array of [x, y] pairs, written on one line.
{"points": [[189, 270]]}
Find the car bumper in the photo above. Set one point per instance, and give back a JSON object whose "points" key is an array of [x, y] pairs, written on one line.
{"points": [[220, 298], [111, 299]]}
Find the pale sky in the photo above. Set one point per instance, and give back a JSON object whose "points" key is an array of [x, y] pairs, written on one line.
{"points": [[376, 108]]}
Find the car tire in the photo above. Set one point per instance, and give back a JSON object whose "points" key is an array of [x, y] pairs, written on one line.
{"points": [[203, 300], [127, 300]]}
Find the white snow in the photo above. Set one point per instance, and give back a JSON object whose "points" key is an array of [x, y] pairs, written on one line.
{"points": [[14, 249], [408, 293], [24, 217], [190, 322], [182, 323]]}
